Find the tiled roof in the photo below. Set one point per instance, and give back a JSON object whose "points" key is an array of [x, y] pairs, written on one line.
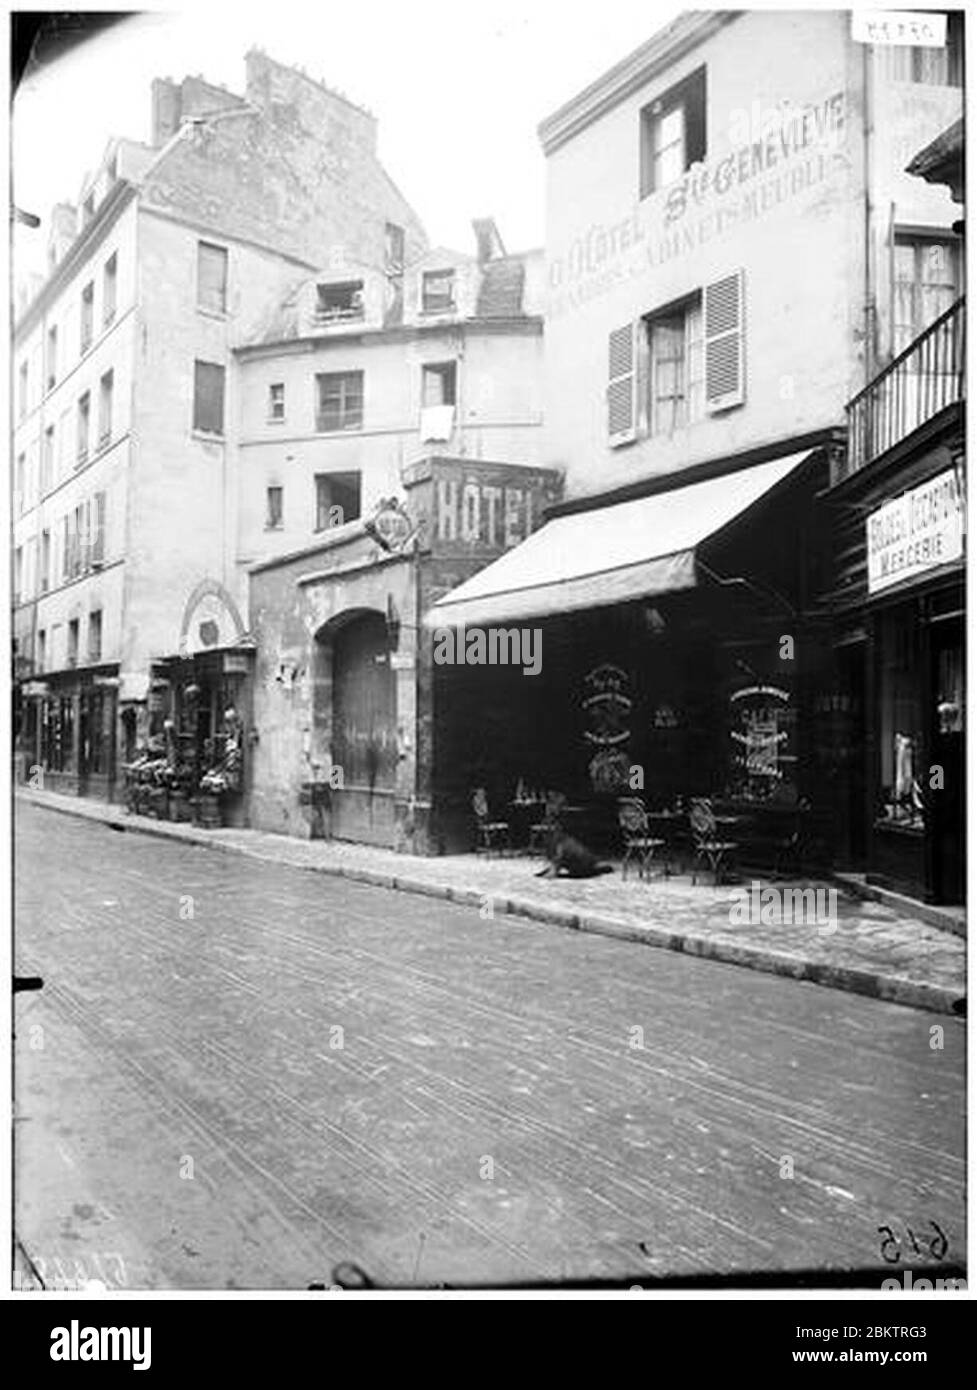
{"points": [[501, 289]]}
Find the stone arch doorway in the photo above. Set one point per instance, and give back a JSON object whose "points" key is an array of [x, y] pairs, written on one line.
{"points": [[355, 716]]}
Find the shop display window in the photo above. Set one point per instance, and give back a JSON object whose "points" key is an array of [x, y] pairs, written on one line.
{"points": [[900, 794]]}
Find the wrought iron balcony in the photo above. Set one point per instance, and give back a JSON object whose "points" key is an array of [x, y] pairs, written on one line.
{"points": [[922, 381]]}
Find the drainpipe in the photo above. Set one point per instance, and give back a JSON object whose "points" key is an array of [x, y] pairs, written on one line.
{"points": [[868, 138]]}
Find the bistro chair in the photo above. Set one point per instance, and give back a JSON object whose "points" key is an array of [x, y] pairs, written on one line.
{"points": [[640, 846], [707, 847], [793, 851], [540, 831], [492, 834]]}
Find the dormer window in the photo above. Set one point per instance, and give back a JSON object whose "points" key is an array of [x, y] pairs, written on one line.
{"points": [[438, 292], [339, 302]]}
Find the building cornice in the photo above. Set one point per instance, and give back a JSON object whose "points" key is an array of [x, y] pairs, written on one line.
{"points": [[657, 55], [109, 211], [530, 325]]}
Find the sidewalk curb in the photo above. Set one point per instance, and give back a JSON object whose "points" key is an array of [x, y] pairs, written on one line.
{"points": [[892, 989]]}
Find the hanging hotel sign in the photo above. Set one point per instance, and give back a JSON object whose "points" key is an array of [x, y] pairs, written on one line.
{"points": [[390, 525], [915, 533]]}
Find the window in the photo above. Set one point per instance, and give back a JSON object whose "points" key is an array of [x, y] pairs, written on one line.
{"points": [[73, 642], [109, 284], [274, 508], [66, 547], [79, 549], [20, 481], [18, 573], [87, 316], [41, 649], [940, 67], [337, 499], [47, 460], [692, 356], [45, 576], [23, 381], [675, 369], [438, 292], [113, 169], [51, 369], [673, 133], [926, 282], [95, 637], [340, 301], [97, 547], [211, 278], [339, 401], [105, 388], [84, 416], [438, 383], [208, 397], [276, 401]]}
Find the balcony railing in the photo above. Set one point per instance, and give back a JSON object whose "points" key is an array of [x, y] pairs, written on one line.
{"points": [[923, 380]]}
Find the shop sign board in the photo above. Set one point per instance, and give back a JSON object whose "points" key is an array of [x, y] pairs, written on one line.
{"points": [[915, 533]]}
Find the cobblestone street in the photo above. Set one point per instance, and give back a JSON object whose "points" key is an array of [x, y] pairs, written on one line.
{"points": [[186, 1104]]}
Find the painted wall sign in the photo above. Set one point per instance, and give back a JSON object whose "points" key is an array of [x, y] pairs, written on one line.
{"points": [[480, 512], [915, 533], [799, 148]]}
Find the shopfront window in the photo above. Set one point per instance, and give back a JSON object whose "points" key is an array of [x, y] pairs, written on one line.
{"points": [[900, 723], [763, 744]]}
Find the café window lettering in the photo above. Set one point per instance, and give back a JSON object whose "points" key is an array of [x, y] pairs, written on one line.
{"points": [[762, 736]]}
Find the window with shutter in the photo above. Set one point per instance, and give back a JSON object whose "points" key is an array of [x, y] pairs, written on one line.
{"points": [[621, 364], [724, 342], [98, 529]]}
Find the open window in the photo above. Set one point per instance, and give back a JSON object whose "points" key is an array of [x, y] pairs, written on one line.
{"points": [[339, 302], [673, 133]]}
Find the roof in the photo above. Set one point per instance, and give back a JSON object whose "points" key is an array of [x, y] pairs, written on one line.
{"points": [[500, 293], [660, 52]]}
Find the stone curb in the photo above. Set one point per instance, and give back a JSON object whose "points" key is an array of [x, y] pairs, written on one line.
{"points": [[894, 989]]}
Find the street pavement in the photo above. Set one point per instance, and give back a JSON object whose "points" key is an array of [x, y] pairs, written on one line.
{"points": [[240, 1074]]}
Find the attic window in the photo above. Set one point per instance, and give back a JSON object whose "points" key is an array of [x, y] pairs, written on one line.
{"points": [[438, 292], [339, 302]]}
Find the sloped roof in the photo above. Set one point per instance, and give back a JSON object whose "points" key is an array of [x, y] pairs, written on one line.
{"points": [[500, 293]]}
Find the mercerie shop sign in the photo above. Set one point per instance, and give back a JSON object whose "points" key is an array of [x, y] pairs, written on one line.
{"points": [[798, 152], [915, 532]]}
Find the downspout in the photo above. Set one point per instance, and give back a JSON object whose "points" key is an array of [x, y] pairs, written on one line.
{"points": [[868, 140]]}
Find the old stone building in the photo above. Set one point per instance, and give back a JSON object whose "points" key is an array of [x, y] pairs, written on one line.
{"points": [[385, 457], [126, 472]]}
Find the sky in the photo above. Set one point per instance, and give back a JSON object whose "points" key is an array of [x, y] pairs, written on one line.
{"points": [[458, 88]]}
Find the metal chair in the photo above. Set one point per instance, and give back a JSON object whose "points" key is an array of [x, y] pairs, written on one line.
{"points": [[640, 846], [794, 849], [540, 830], [492, 834], [706, 844]]}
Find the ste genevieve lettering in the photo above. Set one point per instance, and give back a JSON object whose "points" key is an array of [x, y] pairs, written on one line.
{"points": [[605, 254], [480, 513]]}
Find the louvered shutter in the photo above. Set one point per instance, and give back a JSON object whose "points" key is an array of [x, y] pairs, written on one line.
{"points": [[724, 340], [98, 530], [621, 385]]}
